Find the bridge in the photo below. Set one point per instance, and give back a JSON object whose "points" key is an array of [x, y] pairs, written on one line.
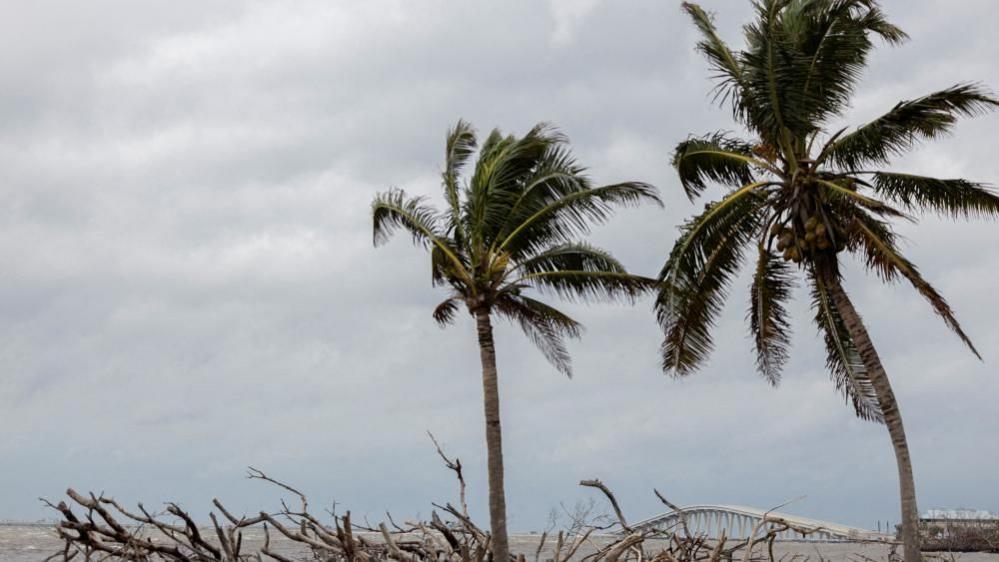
{"points": [[738, 522]]}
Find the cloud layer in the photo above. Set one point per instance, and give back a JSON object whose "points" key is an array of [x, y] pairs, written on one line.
{"points": [[190, 288]]}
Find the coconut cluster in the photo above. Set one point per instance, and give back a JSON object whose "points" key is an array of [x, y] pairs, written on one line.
{"points": [[814, 236]]}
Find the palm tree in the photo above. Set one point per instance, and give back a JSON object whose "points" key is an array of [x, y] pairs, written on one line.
{"points": [[802, 196], [509, 231]]}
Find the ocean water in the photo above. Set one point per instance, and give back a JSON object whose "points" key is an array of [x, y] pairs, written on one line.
{"points": [[27, 542], [33, 543]]}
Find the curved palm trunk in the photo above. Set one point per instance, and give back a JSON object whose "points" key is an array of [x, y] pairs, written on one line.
{"points": [[892, 415], [494, 440]]}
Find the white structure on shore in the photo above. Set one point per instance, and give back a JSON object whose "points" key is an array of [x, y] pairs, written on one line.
{"points": [[738, 522], [959, 514], [944, 522]]}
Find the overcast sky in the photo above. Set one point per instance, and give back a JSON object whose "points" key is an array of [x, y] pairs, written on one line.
{"points": [[189, 286]]}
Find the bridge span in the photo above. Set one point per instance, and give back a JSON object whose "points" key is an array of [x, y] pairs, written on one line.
{"points": [[738, 522]]}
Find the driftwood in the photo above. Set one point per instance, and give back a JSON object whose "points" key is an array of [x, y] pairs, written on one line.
{"points": [[980, 537], [596, 483], [95, 527]]}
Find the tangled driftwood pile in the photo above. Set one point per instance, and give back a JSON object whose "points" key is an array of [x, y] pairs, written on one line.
{"points": [[981, 537], [99, 528]]}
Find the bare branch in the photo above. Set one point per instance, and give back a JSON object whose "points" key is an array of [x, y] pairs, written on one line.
{"points": [[596, 483]]}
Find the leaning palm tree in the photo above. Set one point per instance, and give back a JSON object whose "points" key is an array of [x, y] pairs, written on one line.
{"points": [[508, 232], [802, 195]]}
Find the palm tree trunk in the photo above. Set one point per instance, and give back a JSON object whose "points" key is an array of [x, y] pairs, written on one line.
{"points": [[889, 407], [494, 439]]}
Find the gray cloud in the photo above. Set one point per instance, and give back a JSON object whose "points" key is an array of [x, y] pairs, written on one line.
{"points": [[190, 286]]}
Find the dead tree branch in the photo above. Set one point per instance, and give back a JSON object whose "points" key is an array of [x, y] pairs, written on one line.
{"points": [[596, 483]]}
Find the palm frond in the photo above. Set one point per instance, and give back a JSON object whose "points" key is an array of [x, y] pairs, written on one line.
{"points": [[831, 39], [882, 256], [501, 173], [717, 158], [907, 123], [768, 318], [544, 325], [586, 286], [393, 210], [728, 71], [836, 191], [577, 256], [444, 269], [445, 312], [955, 198], [695, 279], [802, 61], [477, 189], [460, 145], [768, 80], [842, 357], [567, 216], [875, 21], [555, 175]]}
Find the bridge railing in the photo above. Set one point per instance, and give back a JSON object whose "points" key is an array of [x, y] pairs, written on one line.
{"points": [[741, 523]]}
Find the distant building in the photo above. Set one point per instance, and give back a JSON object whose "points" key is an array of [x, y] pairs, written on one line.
{"points": [[938, 522]]}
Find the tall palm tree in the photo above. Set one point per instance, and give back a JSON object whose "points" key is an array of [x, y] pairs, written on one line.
{"points": [[508, 232], [802, 195]]}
